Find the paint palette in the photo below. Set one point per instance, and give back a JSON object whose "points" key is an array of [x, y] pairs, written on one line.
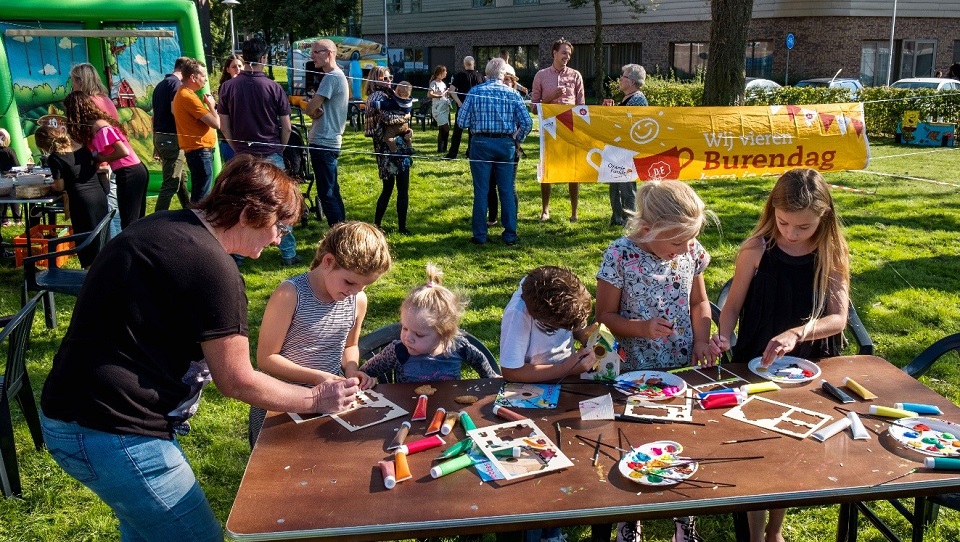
{"points": [[650, 385], [657, 464], [928, 436], [786, 370]]}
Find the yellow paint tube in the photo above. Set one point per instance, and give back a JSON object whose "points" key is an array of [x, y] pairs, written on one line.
{"points": [[890, 412], [759, 387], [858, 389]]}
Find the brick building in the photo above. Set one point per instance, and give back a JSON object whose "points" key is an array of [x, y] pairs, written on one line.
{"points": [[673, 36]]}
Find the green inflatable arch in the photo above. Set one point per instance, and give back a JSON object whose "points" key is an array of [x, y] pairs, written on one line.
{"points": [[132, 44]]}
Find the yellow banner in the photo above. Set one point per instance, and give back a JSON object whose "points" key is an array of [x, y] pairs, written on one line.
{"points": [[588, 144]]}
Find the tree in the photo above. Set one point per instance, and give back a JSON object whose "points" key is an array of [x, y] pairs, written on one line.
{"points": [[600, 67], [724, 81]]}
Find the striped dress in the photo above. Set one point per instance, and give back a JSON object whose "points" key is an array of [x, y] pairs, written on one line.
{"points": [[318, 331]]}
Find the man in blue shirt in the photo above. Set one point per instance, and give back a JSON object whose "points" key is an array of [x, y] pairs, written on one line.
{"points": [[498, 122]]}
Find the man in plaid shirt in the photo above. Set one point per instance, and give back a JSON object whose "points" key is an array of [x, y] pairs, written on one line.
{"points": [[498, 122]]}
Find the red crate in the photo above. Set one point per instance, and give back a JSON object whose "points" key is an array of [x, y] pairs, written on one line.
{"points": [[39, 237]]}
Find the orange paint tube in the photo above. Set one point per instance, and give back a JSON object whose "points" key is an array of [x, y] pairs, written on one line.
{"points": [[507, 414], [402, 469], [437, 421]]}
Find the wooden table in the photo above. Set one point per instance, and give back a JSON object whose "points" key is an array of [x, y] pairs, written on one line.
{"points": [[318, 480]]}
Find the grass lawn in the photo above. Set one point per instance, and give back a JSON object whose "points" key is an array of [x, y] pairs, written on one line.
{"points": [[905, 250]]}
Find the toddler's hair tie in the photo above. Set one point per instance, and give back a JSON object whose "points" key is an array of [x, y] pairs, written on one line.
{"points": [[430, 284]]}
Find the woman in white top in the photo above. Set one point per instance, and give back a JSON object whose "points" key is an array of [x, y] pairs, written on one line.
{"points": [[441, 106]]}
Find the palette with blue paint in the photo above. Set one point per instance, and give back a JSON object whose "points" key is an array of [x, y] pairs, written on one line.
{"points": [[929, 436], [657, 464]]}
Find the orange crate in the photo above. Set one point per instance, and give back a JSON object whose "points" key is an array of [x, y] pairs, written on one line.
{"points": [[39, 237]]}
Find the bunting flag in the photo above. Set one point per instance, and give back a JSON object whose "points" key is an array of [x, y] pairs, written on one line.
{"points": [[588, 144]]}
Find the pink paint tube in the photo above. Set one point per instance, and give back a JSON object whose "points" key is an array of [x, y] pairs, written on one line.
{"points": [[420, 413], [433, 441], [721, 400], [389, 472], [507, 414], [437, 421]]}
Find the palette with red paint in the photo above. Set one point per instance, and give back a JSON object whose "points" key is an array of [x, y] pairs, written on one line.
{"points": [[650, 385], [657, 464], [786, 370], [928, 436]]}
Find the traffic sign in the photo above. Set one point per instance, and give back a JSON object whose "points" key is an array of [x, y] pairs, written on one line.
{"points": [[790, 41]]}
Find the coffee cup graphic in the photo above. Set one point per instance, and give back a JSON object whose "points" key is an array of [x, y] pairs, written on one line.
{"points": [[663, 166], [616, 164]]}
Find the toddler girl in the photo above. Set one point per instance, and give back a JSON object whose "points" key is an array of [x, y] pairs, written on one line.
{"points": [[790, 289], [431, 347], [311, 325]]}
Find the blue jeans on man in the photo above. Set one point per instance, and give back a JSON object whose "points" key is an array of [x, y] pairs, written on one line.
{"points": [[492, 158], [146, 481], [324, 160], [200, 163]]}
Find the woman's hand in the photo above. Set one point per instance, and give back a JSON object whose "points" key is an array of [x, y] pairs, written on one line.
{"points": [[703, 354], [656, 328], [719, 344]]}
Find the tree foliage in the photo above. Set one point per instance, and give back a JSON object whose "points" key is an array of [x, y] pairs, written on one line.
{"points": [[724, 81], [600, 67]]}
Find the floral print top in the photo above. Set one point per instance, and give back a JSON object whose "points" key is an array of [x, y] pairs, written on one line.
{"points": [[651, 287]]}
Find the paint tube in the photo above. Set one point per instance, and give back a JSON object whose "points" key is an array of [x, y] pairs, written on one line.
{"points": [[866, 394], [437, 421], [759, 387], [919, 408], [889, 412], [941, 463], [389, 473], [452, 465], [448, 422], [507, 414], [399, 437], [857, 428], [420, 413], [836, 392], [416, 446], [832, 429]]}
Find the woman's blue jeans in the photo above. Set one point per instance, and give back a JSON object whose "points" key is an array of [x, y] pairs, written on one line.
{"points": [[145, 480]]}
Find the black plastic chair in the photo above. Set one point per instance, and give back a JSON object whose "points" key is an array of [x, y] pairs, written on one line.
{"points": [[925, 509], [55, 279], [424, 114], [378, 339], [15, 385]]}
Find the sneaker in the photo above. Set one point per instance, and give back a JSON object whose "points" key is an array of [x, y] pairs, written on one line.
{"points": [[629, 532], [287, 262], [686, 529], [491, 223]]}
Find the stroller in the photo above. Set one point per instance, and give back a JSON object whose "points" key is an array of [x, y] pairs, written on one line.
{"points": [[296, 157]]}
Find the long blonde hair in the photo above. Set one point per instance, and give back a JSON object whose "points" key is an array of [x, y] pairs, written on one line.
{"points": [[87, 80], [801, 190], [437, 306], [667, 205]]}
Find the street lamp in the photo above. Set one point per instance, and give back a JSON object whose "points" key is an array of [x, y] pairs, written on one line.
{"points": [[893, 26], [230, 4], [385, 46]]}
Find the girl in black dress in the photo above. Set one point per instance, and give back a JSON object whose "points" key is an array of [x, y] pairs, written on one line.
{"points": [[74, 170]]}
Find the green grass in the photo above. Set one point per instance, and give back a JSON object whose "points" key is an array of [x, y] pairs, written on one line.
{"points": [[906, 286]]}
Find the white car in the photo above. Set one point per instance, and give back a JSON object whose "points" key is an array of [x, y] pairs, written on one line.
{"points": [[935, 83], [758, 83]]}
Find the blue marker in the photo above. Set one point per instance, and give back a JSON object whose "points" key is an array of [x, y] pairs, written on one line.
{"points": [[919, 408]]}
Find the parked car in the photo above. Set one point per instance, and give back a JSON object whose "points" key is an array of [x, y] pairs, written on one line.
{"points": [[758, 83], [935, 83], [853, 85]]}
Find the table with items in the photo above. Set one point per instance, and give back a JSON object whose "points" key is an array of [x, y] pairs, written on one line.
{"points": [[479, 456]]}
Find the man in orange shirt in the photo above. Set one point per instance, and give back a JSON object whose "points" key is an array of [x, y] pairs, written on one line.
{"points": [[197, 123]]}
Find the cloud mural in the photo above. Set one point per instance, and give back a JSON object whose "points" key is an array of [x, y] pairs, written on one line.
{"points": [[49, 69], [66, 43]]}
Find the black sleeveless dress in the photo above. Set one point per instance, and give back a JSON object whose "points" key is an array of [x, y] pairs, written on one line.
{"points": [[780, 297]]}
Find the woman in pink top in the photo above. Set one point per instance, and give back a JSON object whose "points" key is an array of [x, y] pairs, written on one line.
{"points": [[93, 127]]}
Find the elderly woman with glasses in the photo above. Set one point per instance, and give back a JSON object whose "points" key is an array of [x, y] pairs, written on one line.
{"points": [[623, 196], [162, 313]]}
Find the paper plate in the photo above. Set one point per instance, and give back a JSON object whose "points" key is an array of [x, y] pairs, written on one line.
{"points": [[928, 436], [650, 385], [787, 370], [649, 464]]}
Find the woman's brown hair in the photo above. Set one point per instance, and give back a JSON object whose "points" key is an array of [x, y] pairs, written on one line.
{"points": [[255, 188]]}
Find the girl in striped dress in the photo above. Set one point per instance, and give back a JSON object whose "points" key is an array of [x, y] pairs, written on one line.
{"points": [[311, 325]]}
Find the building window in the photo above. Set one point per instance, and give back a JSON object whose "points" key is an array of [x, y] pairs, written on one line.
{"points": [[394, 6], [917, 58], [415, 6], [622, 54], [874, 61], [525, 2], [687, 59], [523, 58], [484, 3], [759, 59]]}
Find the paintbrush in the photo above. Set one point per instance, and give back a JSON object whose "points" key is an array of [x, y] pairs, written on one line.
{"points": [[635, 419], [687, 480], [596, 451], [749, 440], [909, 472]]}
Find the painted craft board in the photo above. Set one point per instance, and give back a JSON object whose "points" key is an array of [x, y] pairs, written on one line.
{"points": [[778, 417], [650, 385], [520, 395], [368, 409], [679, 408], [538, 453], [598, 408]]}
